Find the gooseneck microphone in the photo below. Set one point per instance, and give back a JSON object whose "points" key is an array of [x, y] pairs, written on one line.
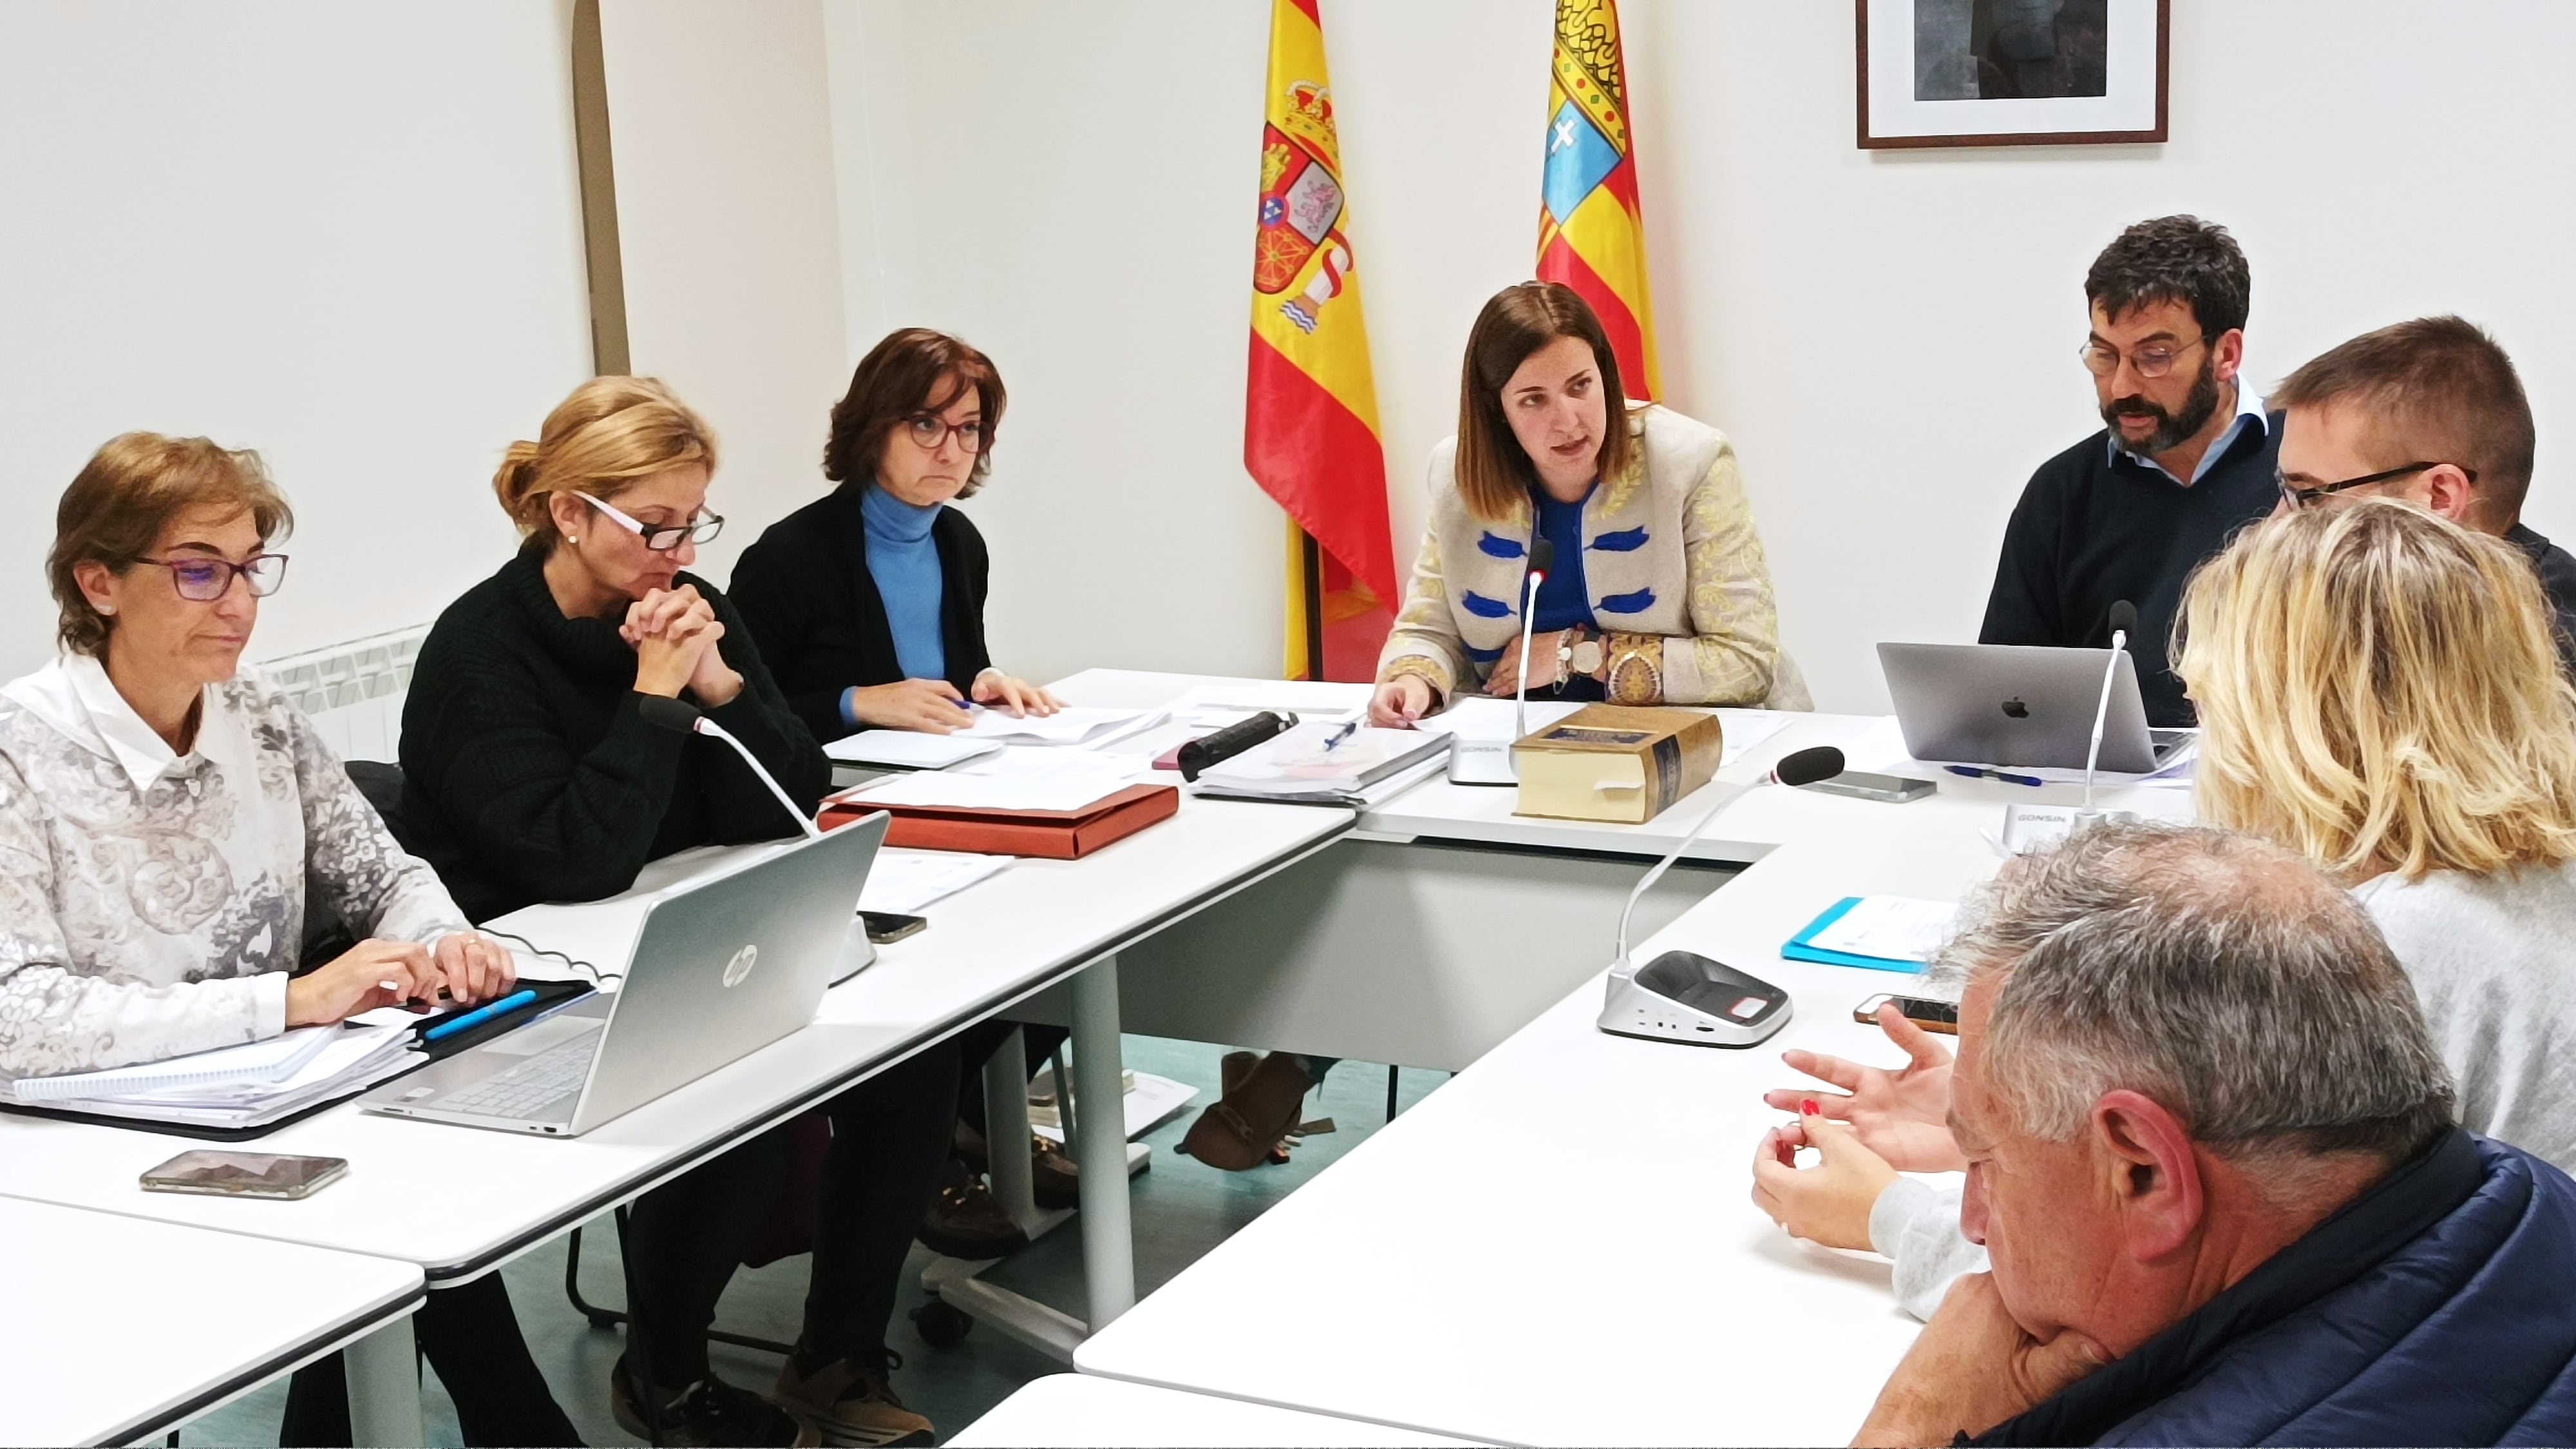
{"points": [[1686, 997], [1542, 559], [2124, 618], [682, 717]]}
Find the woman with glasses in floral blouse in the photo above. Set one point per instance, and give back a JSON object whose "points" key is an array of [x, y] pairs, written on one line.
{"points": [[168, 825]]}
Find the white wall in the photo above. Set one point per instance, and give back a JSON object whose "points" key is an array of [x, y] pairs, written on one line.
{"points": [[729, 231], [1889, 337], [1069, 187], [347, 235]]}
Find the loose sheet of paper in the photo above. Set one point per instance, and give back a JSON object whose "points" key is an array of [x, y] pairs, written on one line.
{"points": [[1073, 725], [909, 748], [904, 882], [1890, 928], [1019, 791], [1745, 728]]}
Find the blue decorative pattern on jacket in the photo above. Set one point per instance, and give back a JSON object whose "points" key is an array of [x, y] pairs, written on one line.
{"points": [[1626, 540], [1482, 607], [1636, 603], [1493, 545]]}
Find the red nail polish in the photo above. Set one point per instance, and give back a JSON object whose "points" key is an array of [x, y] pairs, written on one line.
{"points": [[1809, 1108]]}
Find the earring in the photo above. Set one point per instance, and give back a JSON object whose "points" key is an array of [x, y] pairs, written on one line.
{"points": [[572, 538], [107, 611]]}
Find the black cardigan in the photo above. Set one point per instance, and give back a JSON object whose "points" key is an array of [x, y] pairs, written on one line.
{"points": [[814, 610], [530, 776]]}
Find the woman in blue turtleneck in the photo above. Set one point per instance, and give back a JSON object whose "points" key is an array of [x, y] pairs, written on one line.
{"points": [[868, 603], [868, 607]]}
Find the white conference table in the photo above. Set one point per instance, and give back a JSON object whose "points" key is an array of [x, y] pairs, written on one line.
{"points": [[121, 1330], [459, 1202], [1559, 1246], [1078, 1411], [1443, 923]]}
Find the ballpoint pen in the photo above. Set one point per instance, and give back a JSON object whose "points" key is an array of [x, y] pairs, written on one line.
{"points": [[1980, 772], [1339, 735]]}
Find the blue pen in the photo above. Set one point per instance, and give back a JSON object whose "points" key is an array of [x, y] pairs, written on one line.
{"points": [[1980, 772], [480, 1015], [1339, 735]]}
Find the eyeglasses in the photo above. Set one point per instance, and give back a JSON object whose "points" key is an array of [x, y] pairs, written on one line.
{"points": [[928, 432], [2302, 497], [2102, 359], [205, 580], [661, 537]]}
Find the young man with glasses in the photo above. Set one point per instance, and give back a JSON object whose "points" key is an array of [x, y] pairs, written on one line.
{"points": [[2186, 457], [2429, 412]]}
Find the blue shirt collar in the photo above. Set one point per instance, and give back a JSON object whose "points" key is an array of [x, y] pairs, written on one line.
{"points": [[892, 519], [2249, 414]]}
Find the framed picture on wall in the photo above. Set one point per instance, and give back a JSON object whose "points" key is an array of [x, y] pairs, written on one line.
{"points": [[2011, 72]]}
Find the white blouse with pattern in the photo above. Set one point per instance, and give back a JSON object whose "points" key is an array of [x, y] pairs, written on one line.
{"points": [[153, 903]]}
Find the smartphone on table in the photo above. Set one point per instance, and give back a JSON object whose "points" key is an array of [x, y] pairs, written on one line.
{"points": [[245, 1174], [1862, 785], [1923, 1011]]}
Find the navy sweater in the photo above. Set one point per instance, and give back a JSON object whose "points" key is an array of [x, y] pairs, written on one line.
{"points": [[2436, 1308], [2091, 530]]}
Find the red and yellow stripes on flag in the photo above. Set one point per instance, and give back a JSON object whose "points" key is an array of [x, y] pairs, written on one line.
{"points": [[1310, 435], [1591, 230]]}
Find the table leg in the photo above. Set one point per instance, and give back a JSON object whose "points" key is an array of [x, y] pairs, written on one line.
{"points": [[1006, 1129], [384, 1387], [1100, 1144]]}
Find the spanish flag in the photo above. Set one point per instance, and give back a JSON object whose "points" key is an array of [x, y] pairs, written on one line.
{"points": [[1591, 230], [1310, 435]]}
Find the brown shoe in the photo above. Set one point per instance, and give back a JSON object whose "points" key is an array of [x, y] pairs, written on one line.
{"points": [[962, 1219], [1056, 1178], [852, 1400], [1260, 1105]]}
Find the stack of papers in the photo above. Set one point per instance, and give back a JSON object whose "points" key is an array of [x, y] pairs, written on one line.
{"points": [[231, 1087], [904, 882], [1323, 764]]}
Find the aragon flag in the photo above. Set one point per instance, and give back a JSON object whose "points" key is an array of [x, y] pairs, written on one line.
{"points": [[1591, 230], [1310, 436]]}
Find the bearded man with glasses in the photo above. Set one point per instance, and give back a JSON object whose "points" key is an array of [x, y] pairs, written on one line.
{"points": [[2185, 459]]}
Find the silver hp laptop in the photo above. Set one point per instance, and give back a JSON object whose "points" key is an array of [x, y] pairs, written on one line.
{"points": [[722, 968], [2020, 704]]}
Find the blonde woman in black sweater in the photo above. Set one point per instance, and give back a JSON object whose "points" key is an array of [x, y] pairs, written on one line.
{"points": [[531, 777]]}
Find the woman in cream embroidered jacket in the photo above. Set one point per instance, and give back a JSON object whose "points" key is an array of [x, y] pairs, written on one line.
{"points": [[1669, 551]]}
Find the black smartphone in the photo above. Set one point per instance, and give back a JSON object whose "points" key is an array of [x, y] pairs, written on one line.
{"points": [[886, 926], [1940, 1016]]}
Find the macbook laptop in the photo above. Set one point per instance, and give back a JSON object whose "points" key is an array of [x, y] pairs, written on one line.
{"points": [[2021, 704], [722, 967]]}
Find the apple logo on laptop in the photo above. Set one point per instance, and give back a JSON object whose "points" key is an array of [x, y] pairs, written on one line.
{"points": [[2015, 709], [741, 964]]}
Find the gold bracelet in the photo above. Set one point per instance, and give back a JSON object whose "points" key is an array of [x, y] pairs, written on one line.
{"points": [[1636, 669]]}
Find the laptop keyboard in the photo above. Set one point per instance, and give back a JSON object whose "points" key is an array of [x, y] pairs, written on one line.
{"points": [[534, 1088]]}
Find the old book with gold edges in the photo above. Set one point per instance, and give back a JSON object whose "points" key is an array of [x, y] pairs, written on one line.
{"points": [[1613, 762]]}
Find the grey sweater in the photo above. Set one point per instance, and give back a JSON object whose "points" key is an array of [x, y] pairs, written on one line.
{"points": [[2493, 959]]}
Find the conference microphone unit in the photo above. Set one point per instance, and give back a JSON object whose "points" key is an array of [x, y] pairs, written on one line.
{"points": [[1234, 739], [2124, 622], [1686, 997], [682, 717], [1542, 559]]}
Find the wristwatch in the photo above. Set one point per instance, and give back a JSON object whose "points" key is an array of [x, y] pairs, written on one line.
{"points": [[1578, 652]]}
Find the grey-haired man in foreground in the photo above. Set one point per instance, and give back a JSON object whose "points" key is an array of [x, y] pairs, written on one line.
{"points": [[2212, 1154]]}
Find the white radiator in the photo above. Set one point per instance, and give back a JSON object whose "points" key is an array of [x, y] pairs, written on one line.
{"points": [[353, 692]]}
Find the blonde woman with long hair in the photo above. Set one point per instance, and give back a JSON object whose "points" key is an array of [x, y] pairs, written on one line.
{"points": [[2379, 690]]}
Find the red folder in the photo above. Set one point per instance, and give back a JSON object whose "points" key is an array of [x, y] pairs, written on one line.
{"points": [[1047, 834]]}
